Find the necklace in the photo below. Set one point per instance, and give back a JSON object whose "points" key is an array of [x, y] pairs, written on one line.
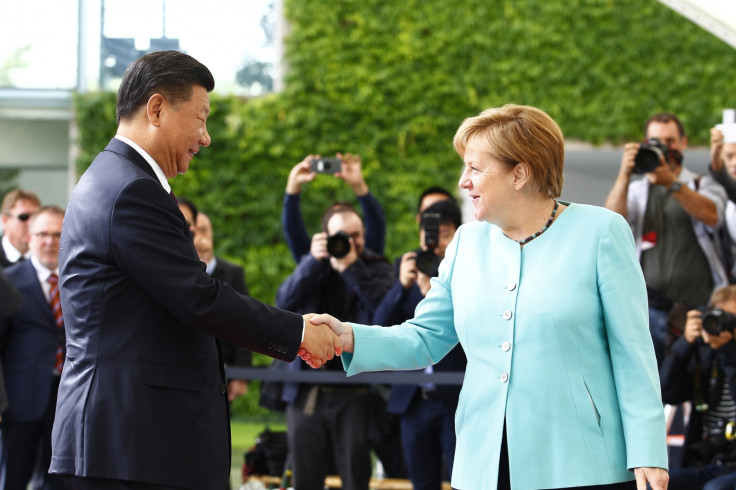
{"points": [[549, 222]]}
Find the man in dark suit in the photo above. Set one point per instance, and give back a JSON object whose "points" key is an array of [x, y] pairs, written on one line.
{"points": [[17, 207], [10, 302], [427, 411], [142, 402], [221, 269], [31, 345]]}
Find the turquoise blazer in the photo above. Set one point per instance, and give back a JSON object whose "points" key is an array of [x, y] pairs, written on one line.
{"points": [[558, 346]]}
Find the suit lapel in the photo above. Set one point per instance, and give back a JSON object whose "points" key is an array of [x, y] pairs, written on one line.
{"points": [[31, 288], [126, 151]]}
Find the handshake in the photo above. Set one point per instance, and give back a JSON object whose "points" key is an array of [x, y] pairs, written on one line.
{"points": [[324, 337]]}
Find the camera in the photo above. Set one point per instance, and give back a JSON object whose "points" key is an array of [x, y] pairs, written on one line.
{"points": [[325, 165], [649, 155], [427, 261], [715, 321], [338, 245]]}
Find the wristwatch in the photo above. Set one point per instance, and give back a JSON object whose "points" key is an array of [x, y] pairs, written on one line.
{"points": [[675, 186]]}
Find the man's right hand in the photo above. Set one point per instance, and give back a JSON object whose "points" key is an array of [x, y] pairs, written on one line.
{"points": [[318, 248], [408, 270], [300, 174], [341, 329], [320, 343], [627, 160], [716, 146]]}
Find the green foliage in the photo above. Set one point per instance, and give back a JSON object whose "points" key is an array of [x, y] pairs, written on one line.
{"points": [[391, 81]]}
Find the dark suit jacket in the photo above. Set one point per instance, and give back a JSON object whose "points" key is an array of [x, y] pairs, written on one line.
{"points": [[234, 275], [10, 302], [142, 394], [4, 262], [28, 343]]}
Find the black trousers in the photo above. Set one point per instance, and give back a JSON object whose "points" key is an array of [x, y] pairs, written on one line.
{"points": [[80, 483], [27, 445]]}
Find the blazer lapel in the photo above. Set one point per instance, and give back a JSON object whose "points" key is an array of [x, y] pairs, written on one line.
{"points": [[32, 289]]}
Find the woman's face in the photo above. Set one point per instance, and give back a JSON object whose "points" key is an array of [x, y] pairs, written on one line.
{"points": [[488, 181]]}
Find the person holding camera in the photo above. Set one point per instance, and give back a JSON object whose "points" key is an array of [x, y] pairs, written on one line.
{"points": [[723, 170], [673, 213], [347, 168], [340, 274], [426, 411], [701, 369]]}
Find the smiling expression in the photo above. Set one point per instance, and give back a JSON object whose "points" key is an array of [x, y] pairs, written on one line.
{"points": [[488, 181]]}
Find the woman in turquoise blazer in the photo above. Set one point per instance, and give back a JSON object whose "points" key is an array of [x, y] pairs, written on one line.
{"points": [[549, 303]]}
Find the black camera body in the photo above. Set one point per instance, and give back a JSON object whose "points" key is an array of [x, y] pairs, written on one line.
{"points": [[427, 262], [338, 245], [649, 155], [325, 165], [715, 321]]}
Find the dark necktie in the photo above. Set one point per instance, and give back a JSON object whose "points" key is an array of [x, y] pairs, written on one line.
{"points": [[55, 302]]}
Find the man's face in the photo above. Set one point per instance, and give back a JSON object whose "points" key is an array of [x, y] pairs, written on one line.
{"points": [[15, 227], [352, 225], [728, 153], [669, 135], [184, 128], [43, 238], [446, 233], [189, 216]]}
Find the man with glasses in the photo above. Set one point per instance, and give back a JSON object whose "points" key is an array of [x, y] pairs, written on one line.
{"points": [[17, 207], [33, 343]]}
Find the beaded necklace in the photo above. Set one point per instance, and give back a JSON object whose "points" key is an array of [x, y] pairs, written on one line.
{"points": [[549, 222]]}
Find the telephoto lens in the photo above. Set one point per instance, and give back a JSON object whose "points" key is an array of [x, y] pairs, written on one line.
{"points": [[649, 155], [338, 245], [716, 321]]}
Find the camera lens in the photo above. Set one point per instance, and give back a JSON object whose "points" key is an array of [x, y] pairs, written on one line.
{"points": [[338, 245], [712, 323], [428, 263]]}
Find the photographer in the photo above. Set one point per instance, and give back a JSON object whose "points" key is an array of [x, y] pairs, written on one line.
{"points": [[672, 213], [351, 172], [427, 412], [701, 369], [328, 424], [723, 170]]}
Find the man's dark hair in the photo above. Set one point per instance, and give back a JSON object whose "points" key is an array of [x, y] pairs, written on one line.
{"points": [[449, 212], [189, 204], [434, 190], [664, 118], [170, 73]]}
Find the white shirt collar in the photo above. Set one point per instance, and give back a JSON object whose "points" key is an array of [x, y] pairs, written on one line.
{"points": [[11, 252], [156, 169], [43, 274], [211, 265]]}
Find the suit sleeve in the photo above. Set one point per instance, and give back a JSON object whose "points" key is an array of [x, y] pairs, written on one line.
{"points": [[624, 300], [375, 223], [150, 244], [10, 298]]}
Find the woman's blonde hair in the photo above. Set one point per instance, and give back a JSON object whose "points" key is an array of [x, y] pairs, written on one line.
{"points": [[517, 133]]}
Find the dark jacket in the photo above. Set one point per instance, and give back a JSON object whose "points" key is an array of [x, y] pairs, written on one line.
{"points": [[143, 394]]}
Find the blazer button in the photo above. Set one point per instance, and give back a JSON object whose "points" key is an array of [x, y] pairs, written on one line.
{"points": [[506, 346], [223, 389], [507, 315], [504, 377], [511, 286]]}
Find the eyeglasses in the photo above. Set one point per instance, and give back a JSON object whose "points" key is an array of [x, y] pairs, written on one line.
{"points": [[44, 235], [19, 217]]}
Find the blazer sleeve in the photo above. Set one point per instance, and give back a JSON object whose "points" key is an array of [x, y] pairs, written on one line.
{"points": [[10, 298], [151, 246], [375, 223], [623, 297], [295, 233], [417, 343]]}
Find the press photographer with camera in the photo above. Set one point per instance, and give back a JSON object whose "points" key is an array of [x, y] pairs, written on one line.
{"points": [[672, 213], [701, 369], [348, 168], [340, 274], [426, 411]]}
